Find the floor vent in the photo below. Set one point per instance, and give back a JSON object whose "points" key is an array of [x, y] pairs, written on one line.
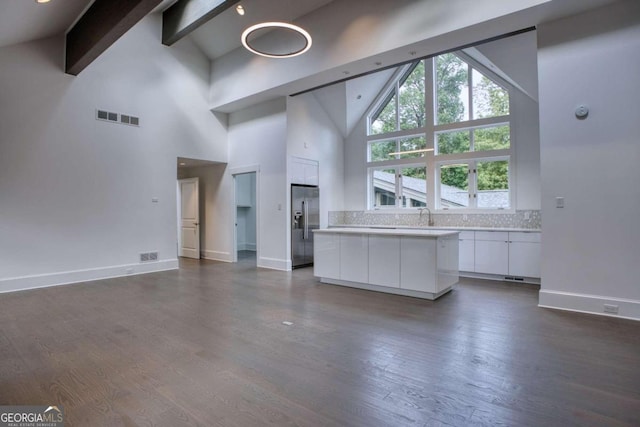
{"points": [[514, 279], [123, 119], [149, 257]]}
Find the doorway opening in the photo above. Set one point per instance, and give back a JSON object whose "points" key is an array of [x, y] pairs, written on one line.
{"points": [[189, 218], [246, 218]]}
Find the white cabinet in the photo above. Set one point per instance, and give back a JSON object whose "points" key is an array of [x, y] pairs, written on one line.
{"points": [[418, 264], [421, 264], [492, 252], [514, 253], [354, 257], [304, 171], [384, 260], [326, 256], [466, 242], [447, 262], [524, 254]]}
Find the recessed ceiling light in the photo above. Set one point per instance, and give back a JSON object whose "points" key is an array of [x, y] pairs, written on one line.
{"points": [[240, 10], [413, 53], [276, 25], [346, 73], [183, 164], [378, 63], [43, 1]]}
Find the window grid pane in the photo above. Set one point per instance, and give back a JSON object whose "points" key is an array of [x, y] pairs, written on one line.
{"points": [[384, 187], [493, 138], [493, 184], [452, 89], [454, 186], [489, 99], [414, 186], [386, 121], [411, 109], [453, 142]]}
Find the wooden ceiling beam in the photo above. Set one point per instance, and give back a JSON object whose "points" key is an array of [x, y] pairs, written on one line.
{"points": [[104, 22], [185, 16]]}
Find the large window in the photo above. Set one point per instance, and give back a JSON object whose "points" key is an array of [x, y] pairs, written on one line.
{"points": [[440, 136]]}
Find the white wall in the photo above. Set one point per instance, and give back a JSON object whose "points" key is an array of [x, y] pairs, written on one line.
{"points": [[591, 247], [257, 137], [75, 193], [308, 123]]}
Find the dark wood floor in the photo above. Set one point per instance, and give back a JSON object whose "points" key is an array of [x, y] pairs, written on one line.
{"points": [[206, 346]]}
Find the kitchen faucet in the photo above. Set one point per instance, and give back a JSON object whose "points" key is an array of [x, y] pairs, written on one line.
{"points": [[430, 222]]}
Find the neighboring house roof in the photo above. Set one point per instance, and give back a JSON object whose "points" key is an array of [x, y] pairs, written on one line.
{"points": [[450, 196]]}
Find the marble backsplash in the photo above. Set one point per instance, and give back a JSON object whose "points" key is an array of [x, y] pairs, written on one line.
{"points": [[527, 219]]}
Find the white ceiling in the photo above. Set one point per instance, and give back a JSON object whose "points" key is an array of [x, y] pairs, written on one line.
{"points": [[24, 20], [222, 34]]}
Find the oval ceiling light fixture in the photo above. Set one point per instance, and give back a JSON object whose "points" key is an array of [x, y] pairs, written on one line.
{"points": [[255, 32], [240, 10]]}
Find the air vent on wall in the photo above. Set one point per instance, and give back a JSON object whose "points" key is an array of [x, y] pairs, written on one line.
{"points": [[149, 257], [125, 119]]}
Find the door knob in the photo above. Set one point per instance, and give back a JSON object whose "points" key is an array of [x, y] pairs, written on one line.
{"points": [[195, 223]]}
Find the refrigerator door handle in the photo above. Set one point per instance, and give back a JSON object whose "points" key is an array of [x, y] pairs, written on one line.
{"points": [[304, 221], [305, 208]]}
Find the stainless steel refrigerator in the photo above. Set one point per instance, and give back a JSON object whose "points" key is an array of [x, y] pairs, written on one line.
{"points": [[305, 217]]}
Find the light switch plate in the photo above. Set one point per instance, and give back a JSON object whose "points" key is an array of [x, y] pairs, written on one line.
{"points": [[559, 202]]}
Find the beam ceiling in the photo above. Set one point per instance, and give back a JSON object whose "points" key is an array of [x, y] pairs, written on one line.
{"points": [[101, 25], [187, 15]]}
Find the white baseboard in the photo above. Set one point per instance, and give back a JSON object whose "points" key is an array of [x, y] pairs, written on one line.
{"points": [[275, 264], [247, 247], [592, 304], [76, 276], [217, 256]]}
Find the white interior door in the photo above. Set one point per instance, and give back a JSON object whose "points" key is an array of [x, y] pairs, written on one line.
{"points": [[189, 218]]}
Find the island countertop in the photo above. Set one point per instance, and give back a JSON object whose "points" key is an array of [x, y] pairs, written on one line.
{"points": [[388, 231], [455, 228]]}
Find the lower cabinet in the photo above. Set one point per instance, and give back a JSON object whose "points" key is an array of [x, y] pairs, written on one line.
{"points": [[326, 255], [506, 253], [524, 254], [418, 264], [354, 250], [492, 252], [467, 258], [384, 261]]}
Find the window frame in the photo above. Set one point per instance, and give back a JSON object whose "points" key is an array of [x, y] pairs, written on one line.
{"points": [[431, 160]]}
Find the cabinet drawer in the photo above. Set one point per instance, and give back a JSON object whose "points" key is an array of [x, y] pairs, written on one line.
{"points": [[521, 236], [492, 236]]}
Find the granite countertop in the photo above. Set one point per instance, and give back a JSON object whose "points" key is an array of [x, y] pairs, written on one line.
{"points": [[408, 227], [406, 231]]}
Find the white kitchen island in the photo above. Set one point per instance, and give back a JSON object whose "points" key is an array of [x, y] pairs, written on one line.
{"points": [[417, 263]]}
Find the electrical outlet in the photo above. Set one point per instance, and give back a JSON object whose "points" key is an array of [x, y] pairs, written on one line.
{"points": [[527, 216], [611, 308], [559, 202]]}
